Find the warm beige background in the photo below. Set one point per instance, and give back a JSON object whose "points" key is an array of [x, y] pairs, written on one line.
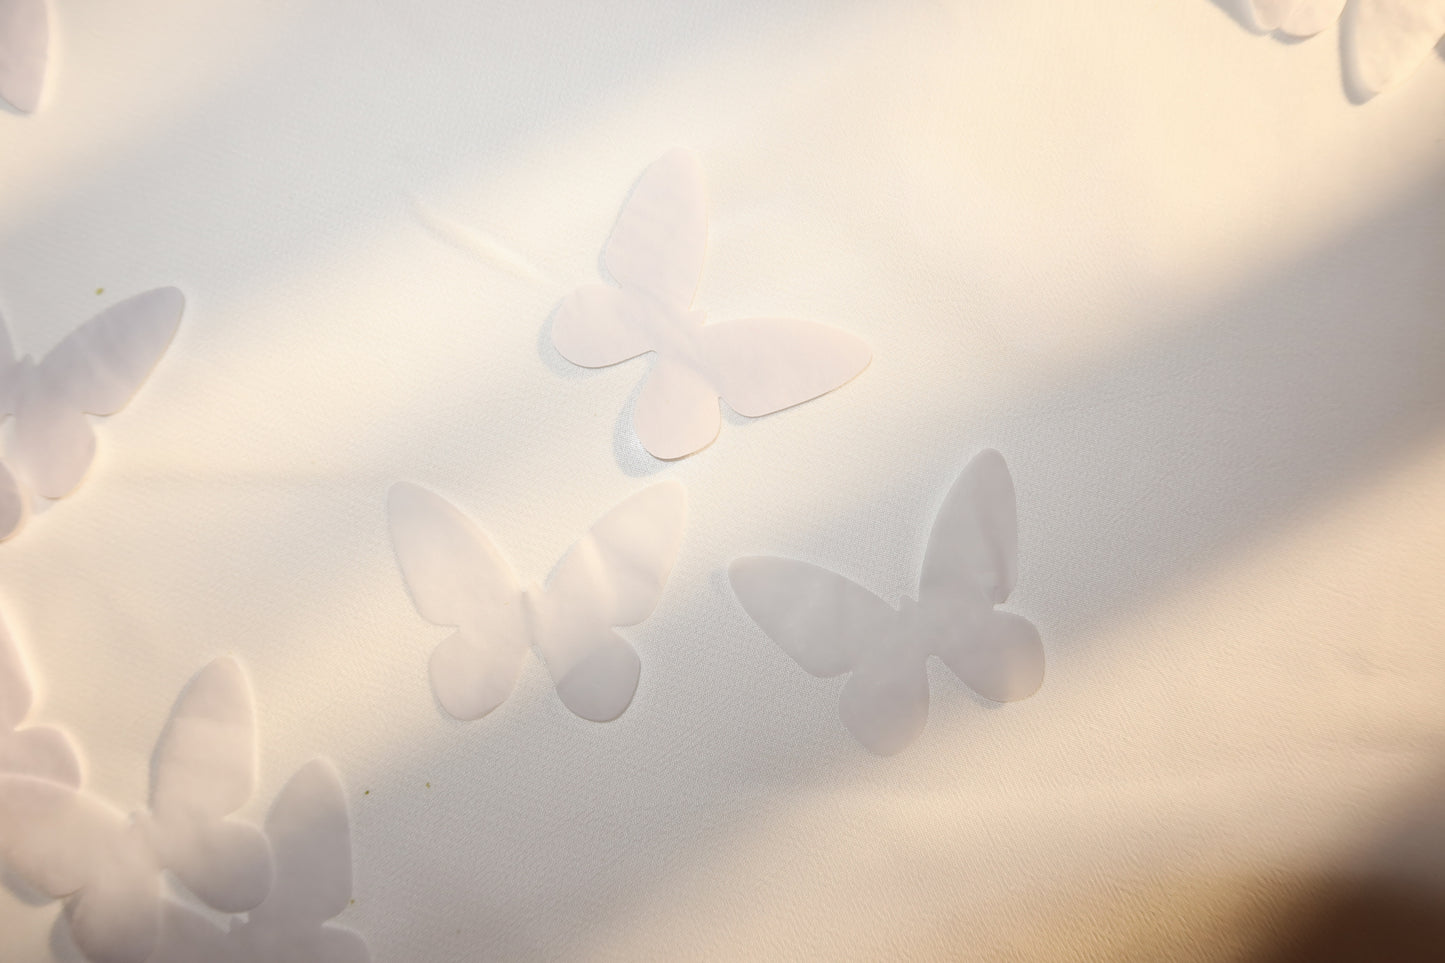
{"points": [[1194, 294]]}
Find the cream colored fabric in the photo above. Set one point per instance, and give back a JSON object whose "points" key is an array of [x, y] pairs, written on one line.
{"points": [[1191, 292]]}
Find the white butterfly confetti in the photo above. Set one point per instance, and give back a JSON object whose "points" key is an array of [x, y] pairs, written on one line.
{"points": [[757, 366], [831, 625], [613, 576]]}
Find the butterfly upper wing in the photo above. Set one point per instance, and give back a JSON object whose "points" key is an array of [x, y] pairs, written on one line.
{"points": [[655, 252], [823, 620], [24, 42], [310, 832], [457, 577], [660, 238], [96, 370], [1386, 39], [38, 750], [765, 365], [613, 576], [973, 547], [970, 566], [204, 770]]}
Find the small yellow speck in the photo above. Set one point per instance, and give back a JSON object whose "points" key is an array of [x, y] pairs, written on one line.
{"points": [[428, 785], [366, 792], [353, 902], [100, 290]]}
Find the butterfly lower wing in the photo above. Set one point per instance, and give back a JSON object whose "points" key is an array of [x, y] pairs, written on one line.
{"points": [[116, 919], [53, 444], [613, 576], [884, 703], [457, 577], [24, 45], [826, 622], [204, 769], [765, 365], [596, 325], [310, 832], [973, 548], [1386, 39], [658, 242], [1000, 656], [677, 412]]}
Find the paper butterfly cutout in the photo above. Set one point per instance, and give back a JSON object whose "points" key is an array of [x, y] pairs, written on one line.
{"points": [[310, 834], [757, 366], [71, 845], [1383, 39], [612, 577], [831, 625], [96, 369], [40, 751], [24, 39]]}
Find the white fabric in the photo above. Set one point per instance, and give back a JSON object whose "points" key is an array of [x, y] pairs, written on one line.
{"points": [[1165, 266]]}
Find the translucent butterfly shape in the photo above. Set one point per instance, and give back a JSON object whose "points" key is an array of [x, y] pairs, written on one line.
{"points": [[96, 369], [612, 577], [310, 834], [40, 751], [656, 253], [1383, 39], [74, 846], [831, 625], [24, 40]]}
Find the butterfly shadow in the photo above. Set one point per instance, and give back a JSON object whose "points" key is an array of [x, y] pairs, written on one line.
{"points": [[62, 944], [634, 460], [549, 354]]}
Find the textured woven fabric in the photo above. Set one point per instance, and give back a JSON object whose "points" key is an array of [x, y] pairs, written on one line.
{"points": [[1190, 291]]}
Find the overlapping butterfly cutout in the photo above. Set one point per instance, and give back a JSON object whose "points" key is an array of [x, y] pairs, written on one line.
{"points": [[70, 844]]}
